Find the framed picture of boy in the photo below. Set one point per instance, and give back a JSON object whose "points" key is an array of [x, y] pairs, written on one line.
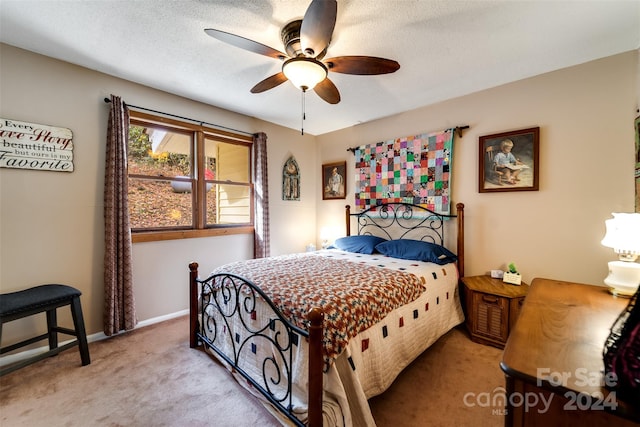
{"points": [[509, 161], [333, 181]]}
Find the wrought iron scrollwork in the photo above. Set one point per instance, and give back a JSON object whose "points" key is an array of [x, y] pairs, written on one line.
{"points": [[402, 220], [241, 324]]}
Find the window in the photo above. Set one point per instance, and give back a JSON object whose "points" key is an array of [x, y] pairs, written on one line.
{"points": [[185, 177]]}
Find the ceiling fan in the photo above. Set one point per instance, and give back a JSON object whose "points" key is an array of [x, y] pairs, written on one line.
{"points": [[306, 42]]}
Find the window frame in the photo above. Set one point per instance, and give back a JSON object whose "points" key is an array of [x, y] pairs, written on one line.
{"points": [[199, 227]]}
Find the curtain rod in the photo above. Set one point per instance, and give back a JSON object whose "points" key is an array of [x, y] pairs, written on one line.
{"points": [[107, 100], [457, 128]]}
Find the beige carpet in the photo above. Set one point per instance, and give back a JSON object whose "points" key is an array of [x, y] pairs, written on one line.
{"points": [[150, 377]]}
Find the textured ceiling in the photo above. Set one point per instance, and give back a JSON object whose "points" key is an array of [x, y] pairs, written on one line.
{"points": [[445, 48]]}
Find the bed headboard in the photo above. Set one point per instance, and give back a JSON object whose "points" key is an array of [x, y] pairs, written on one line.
{"points": [[408, 221]]}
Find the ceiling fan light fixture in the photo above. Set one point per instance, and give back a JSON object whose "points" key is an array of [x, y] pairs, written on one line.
{"points": [[304, 73]]}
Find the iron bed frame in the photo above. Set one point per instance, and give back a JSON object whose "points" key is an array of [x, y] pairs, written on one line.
{"points": [[233, 296]]}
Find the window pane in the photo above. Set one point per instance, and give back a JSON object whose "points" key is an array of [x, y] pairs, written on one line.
{"points": [[231, 160], [228, 204], [162, 163], [159, 152], [159, 203]]}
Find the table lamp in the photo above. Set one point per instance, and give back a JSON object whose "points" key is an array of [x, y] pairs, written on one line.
{"points": [[623, 235]]}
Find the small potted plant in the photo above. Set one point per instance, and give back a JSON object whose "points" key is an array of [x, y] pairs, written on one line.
{"points": [[512, 276]]}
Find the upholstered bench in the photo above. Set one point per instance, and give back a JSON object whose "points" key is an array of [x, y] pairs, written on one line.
{"points": [[44, 298]]}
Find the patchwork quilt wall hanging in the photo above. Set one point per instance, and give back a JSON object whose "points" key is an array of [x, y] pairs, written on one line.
{"points": [[414, 169]]}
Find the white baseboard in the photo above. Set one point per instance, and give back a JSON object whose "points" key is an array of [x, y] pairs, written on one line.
{"points": [[17, 357], [159, 319]]}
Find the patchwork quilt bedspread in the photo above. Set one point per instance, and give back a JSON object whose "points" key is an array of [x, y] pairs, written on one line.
{"points": [[353, 296], [380, 314]]}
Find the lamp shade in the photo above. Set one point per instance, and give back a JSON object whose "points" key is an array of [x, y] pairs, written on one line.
{"points": [[623, 233], [304, 73]]}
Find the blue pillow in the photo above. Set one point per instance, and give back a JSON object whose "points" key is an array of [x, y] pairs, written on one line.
{"points": [[416, 250], [358, 244]]}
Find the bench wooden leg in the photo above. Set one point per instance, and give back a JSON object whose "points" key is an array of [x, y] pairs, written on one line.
{"points": [[81, 333], [52, 326]]}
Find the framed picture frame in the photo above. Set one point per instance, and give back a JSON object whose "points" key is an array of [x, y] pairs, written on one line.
{"points": [[509, 161], [334, 185], [637, 126], [291, 180]]}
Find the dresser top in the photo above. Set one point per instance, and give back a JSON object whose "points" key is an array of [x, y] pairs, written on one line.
{"points": [[558, 341]]}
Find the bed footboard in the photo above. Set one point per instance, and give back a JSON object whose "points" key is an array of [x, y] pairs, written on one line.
{"points": [[223, 300]]}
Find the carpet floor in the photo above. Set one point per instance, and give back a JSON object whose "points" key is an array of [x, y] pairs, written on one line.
{"points": [[150, 377]]}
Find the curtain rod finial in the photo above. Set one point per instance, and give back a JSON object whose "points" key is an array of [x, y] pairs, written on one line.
{"points": [[460, 129]]}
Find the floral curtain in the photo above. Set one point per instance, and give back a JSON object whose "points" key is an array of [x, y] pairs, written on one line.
{"points": [[261, 214], [119, 308]]}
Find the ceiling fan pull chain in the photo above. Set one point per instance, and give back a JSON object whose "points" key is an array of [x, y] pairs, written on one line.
{"points": [[304, 115]]}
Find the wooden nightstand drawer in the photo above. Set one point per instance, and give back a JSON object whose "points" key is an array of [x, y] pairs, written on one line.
{"points": [[491, 308], [491, 316]]}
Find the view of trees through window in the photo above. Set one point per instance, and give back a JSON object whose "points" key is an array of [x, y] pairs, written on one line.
{"points": [[163, 183], [153, 203]]}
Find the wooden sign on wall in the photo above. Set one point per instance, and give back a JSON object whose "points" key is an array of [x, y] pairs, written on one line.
{"points": [[32, 146]]}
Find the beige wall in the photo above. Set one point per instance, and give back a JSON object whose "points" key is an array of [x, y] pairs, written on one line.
{"points": [[585, 114], [51, 223]]}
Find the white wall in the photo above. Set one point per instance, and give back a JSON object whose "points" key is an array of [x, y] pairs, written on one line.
{"points": [[585, 114], [51, 223]]}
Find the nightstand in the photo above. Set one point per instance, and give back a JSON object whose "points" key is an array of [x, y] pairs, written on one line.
{"points": [[491, 308]]}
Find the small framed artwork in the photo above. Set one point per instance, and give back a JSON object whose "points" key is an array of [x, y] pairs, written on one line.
{"points": [[291, 180], [509, 161], [333, 181], [637, 123]]}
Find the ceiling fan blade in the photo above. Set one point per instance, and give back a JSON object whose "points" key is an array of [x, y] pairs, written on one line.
{"points": [[245, 44], [361, 65], [327, 91], [317, 26], [269, 83]]}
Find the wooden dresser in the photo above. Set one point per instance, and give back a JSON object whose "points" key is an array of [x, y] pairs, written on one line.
{"points": [[553, 359]]}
